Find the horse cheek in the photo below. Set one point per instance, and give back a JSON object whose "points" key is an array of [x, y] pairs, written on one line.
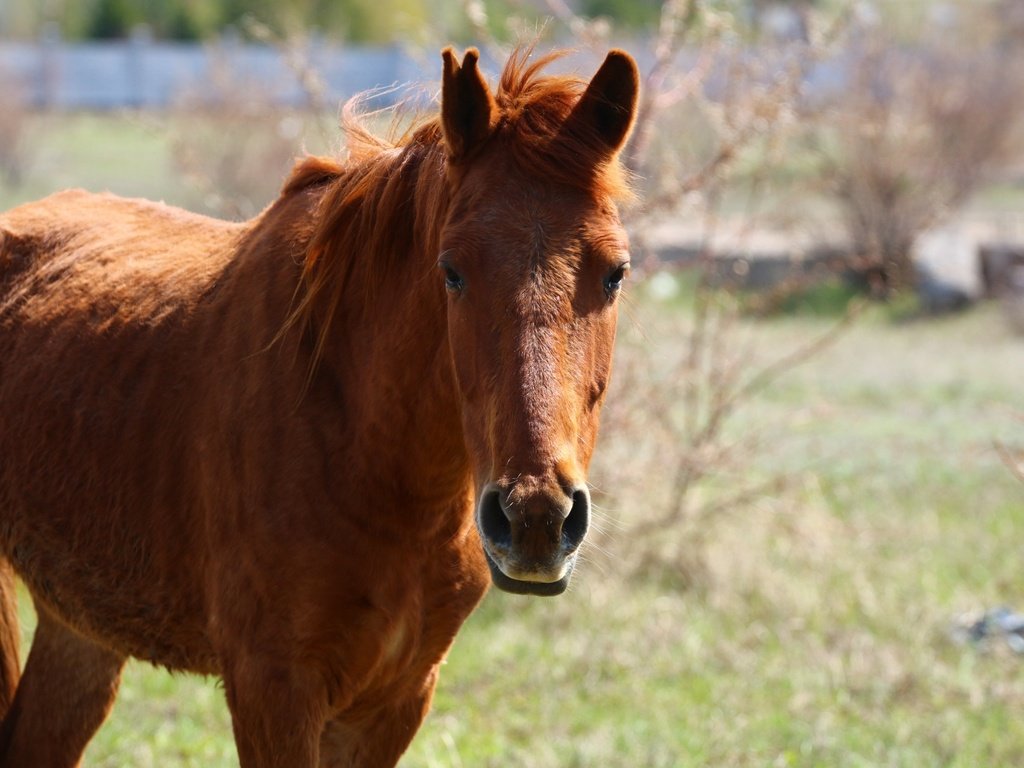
{"points": [[469, 376], [600, 347]]}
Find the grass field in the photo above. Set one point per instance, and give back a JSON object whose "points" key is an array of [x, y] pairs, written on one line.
{"points": [[819, 634]]}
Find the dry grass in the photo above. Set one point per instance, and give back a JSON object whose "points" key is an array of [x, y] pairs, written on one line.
{"points": [[795, 613], [819, 632]]}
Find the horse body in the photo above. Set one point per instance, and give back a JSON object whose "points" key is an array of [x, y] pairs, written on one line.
{"points": [[101, 407], [172, 389], [255, 450]]}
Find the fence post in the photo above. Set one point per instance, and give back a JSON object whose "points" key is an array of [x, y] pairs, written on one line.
{"points": [[47, 86], [139, 41]]}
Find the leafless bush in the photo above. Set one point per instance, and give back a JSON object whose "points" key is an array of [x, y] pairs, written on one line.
{"points": [[680, 397], [711, 113], [234, 141], [914, 134], [673, 449], [676, 398]]}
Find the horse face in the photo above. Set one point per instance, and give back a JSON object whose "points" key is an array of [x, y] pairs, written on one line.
{"points": [[532, 270], [532, 277]]}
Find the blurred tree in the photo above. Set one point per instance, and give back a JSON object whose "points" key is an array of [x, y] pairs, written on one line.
{"points": [[911, 136], [179, 19], [182, 26], [631, 13], [368, 21], [112, 19], [374, 21]]}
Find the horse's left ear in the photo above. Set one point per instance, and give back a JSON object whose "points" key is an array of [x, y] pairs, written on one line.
{"points": [[468, 110], [607, 109]]}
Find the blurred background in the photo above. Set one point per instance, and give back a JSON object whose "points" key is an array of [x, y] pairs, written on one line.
{"points": [[810, 478]]}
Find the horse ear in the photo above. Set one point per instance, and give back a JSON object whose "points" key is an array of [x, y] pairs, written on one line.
{"points": [[607, 108], [468, 110]]}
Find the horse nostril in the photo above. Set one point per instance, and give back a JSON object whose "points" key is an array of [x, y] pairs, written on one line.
{"points": [[494, 523], [575, 526]]}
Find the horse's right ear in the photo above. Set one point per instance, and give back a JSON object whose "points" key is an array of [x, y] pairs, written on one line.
{"points": [[468, 110]]}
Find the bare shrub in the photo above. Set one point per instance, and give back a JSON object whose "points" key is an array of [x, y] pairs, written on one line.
{"points": [[234, 141], [714, 121], [679, 388], [716, 126], [912, 137], [682, 380]]}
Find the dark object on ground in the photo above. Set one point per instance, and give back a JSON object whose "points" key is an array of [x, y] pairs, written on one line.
{"points": [[939, 297], [996, 624], [998, 263]]}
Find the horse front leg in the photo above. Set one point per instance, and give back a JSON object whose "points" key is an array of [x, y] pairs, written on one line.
{"points": [[278, 712], [380, 739]]}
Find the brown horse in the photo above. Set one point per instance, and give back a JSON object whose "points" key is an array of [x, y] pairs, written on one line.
{"points": [[294, 452]]}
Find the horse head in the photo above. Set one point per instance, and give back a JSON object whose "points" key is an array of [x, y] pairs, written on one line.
{"points": [[533, 257]]}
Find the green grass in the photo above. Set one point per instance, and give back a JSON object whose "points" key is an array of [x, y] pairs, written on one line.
{"points": [[135, 155], [121, 153], [822, 639], [820, 635]]}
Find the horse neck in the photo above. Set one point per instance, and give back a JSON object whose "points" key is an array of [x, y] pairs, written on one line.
{"points": [[380, 320]]}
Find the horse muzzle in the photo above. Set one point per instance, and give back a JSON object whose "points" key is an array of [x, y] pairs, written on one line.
{"points": [[531, 539]]}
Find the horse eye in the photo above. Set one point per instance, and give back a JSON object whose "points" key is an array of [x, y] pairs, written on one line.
{"points": [[613, 282], [452, 280]]}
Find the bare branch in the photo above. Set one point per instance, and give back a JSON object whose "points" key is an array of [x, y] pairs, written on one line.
{"points": [[768, 375], [671, 27], [1014, 460]]}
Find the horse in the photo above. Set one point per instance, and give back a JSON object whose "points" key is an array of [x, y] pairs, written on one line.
{"points": [[294, 452]]}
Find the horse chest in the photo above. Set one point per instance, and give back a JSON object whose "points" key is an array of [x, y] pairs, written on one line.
{"points": [[409, 632], [410, 653]]}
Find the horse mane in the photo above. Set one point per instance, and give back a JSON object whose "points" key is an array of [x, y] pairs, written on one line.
{"points": [[387, 197]]}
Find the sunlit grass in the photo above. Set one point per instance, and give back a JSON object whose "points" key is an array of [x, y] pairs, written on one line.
{"points": [[821, 634]]}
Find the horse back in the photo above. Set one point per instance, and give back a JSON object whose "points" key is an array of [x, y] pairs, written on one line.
{"points": [[103, 246]]}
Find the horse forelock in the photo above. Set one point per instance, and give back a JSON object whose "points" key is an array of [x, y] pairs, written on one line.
{"points": [[535, 114]]}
